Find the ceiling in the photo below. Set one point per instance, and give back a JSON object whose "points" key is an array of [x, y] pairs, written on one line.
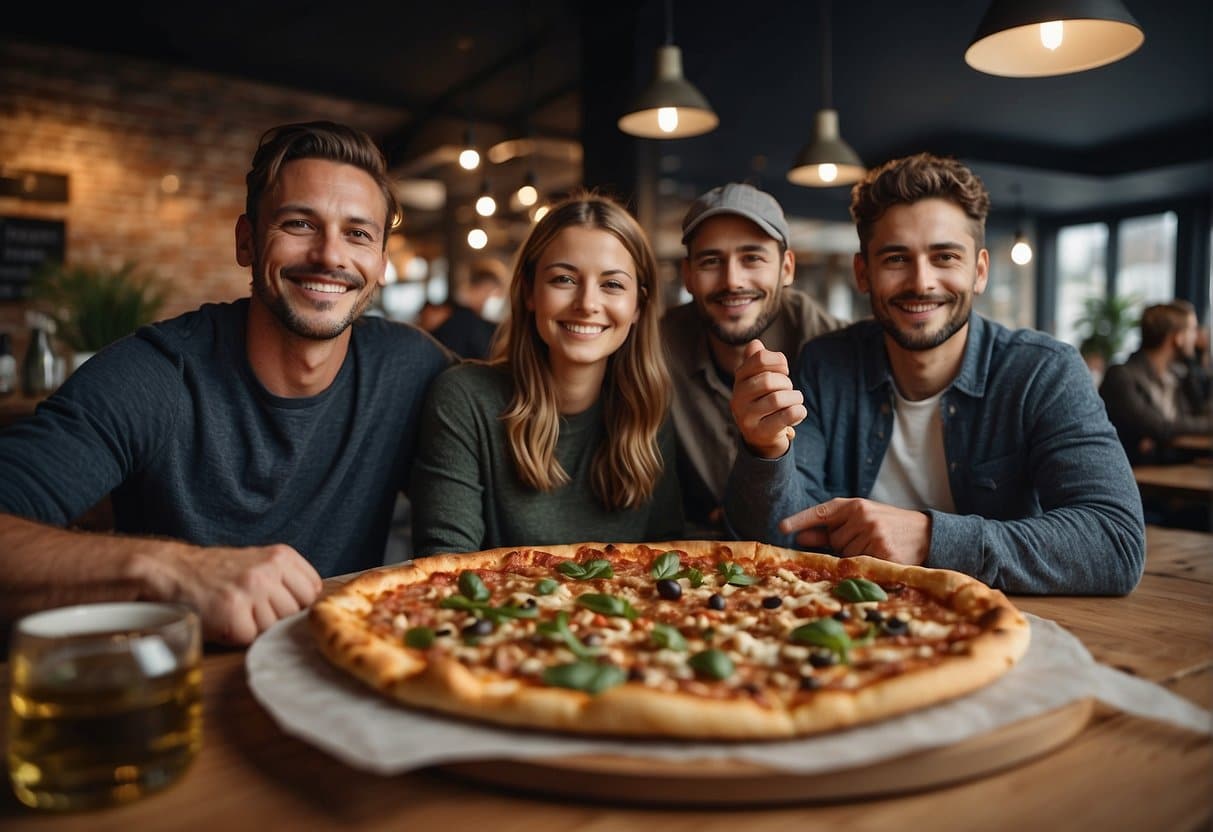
{"points": [[1136, 132]]}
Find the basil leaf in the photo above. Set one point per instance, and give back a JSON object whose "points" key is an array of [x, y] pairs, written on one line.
{"points": [[693, 575], [470, 586], [669, 637], [666, 566], [607, 605], [591, 677], [733, 574], [827, 633], [558, 630], [419, 637], [859, 590], [546, 587], [598, 568], [511, 611], [458, 602], [713, 663]]}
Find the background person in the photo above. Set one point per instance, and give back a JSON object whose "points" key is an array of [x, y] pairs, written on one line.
{"points": [[1158, 393], [563, 436], [250, 447], [738, 270], [930, 435]]}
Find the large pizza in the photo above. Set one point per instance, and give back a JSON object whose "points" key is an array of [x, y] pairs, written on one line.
{"points": [[693, 639]]}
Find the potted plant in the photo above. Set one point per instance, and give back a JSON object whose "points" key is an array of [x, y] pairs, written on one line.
{"points": [[92, 306], [1105, 324]]}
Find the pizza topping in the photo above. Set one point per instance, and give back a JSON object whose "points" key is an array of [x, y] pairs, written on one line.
{"points": [[669, 589], [546, 587], [472, 587], [842, 615], [590, 570], [731, 573], [607, 605], [873, 615], [419, 637], [558, 630], [895, 626], [667, 637], [860, 589], [772, 602], [587, 676], [712, 663], [716, 601], [827, 633]]}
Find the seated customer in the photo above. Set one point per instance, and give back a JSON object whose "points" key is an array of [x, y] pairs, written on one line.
{"points": [[467, 324], [738, 270], [1157, 394], [250, 447], [930, 435], [563, 436]]}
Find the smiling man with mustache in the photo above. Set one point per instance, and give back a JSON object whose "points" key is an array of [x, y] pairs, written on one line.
{"points": [[930, 435], [738, 271]]}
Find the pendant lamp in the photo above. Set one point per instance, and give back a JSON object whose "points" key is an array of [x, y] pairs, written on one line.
{"points": [[1036, 38], [670, 107], [826, 161]]}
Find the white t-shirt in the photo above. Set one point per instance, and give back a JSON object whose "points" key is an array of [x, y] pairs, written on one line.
{"points": [[914, 472]]}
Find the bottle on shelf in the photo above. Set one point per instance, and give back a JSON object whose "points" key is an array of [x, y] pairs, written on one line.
{"points": [[8, 366], [39, 369]]}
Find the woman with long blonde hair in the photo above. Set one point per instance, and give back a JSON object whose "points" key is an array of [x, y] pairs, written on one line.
{"points": [[562, 436]]}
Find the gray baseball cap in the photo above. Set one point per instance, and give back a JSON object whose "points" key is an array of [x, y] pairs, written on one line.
{"points": [[743, 200]]}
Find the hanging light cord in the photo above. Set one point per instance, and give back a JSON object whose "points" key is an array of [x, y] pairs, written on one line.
{"points": [[826, 58], [669, 22]]}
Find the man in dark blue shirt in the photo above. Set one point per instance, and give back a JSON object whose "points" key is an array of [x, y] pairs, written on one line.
{"points": [[928, 434], [250, 448]]}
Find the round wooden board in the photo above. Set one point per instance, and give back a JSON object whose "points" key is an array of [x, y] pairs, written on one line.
{"points": [[638, 780]]}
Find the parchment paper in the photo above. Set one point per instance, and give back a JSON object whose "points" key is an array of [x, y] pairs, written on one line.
{"points": [[315, 701]]}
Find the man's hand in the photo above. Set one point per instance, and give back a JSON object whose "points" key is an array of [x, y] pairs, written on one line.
{"points": [[238, 592], [851, 526], [765, 404]]}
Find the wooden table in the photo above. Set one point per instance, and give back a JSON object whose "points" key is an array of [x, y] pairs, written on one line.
{"points": [[1194, 442], [1189, 480], [1119, 773]]}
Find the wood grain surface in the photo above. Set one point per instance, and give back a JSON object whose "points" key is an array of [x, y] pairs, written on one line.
{"points": [[1120, 772]]}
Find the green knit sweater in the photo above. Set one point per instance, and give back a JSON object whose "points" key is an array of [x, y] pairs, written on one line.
{"points": [[466, 494]]}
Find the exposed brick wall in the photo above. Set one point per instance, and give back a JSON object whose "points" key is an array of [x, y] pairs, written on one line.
{"points": [[116, 127]]}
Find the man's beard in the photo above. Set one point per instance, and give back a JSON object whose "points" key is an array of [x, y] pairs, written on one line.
{"points": [[298, 324], [736, 338], [916, 341]]}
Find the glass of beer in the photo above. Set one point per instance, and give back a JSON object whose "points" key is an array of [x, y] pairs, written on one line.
{"points": [[105, 703]]}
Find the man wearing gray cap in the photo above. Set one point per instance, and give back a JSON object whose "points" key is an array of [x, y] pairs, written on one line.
{"points": [[738, 271]]}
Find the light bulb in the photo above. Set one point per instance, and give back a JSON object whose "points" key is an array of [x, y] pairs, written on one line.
{"points": [[828, 172], [486, 206], [1021, 253], [667, 119], [527, 195], [540, 213], [469, 159], [477, 238], [1050, 34]]}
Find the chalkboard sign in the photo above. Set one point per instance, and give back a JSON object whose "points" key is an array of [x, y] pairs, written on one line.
{"points": [[25, 245]]}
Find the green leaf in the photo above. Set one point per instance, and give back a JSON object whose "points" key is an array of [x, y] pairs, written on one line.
{"points": [[693, 575], [510, 611], [859, 590], [483, 610], [558, 630], [664, 635], [607, 605], [733, 574], [458, 602], [472, 587], [588, 571], [827, 633], [591, 677], [713, 663], [546, 587], [92, 306], [666, 566], [419, 637]]}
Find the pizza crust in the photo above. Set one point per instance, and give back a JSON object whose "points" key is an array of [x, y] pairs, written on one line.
{"points": [[448, 686]]}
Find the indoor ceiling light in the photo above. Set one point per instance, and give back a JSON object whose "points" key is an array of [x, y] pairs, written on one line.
{"points": [[478, 238], [469, 157], [826, 161], [1021, 249], [527, 194], [670, 107], [1034, 38], [486, 206]]}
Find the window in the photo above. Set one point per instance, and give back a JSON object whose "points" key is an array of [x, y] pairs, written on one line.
{"points": [[1082, 273], [1146, 264]]}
